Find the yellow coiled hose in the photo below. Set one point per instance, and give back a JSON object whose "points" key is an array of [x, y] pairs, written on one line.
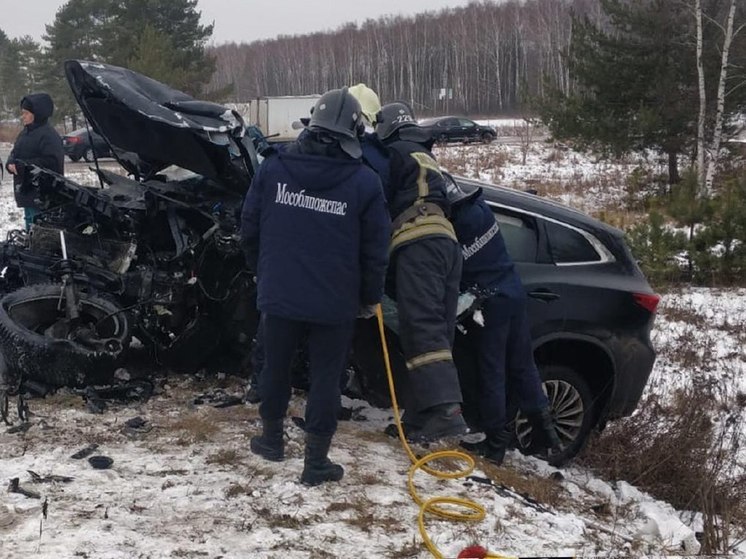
{"points": [[474, 511]]}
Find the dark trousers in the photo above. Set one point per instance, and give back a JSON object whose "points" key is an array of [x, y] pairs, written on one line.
{"points": [[257, 355], [427, 276], [505, 355], [328, 347]]}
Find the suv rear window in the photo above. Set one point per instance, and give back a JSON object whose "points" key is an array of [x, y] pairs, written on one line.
{"points": [[519, 233], [569, 246]]}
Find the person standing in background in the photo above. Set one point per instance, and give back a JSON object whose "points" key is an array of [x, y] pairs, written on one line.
{"points": [[38, 144]]}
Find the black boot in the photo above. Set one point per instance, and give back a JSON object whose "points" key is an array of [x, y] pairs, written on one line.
{"points": [[492, 448], [443, 420], [270, 445], [317, 467], [544, 437], [411, 421]]}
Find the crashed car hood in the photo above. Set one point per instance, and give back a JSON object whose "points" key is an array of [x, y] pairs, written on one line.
{"points": [[153, 126]]}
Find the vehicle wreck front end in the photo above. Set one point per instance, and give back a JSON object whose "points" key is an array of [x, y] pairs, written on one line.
{"points": [[160, 247]]}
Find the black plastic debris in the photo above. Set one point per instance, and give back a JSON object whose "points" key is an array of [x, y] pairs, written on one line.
{"points": [[36, 478], [135, 423], [93, 401], [139, 390], [100, 462], [20, 428], [83, 452], [98, 397], [15, 487], [137, 426], [218, 398]]}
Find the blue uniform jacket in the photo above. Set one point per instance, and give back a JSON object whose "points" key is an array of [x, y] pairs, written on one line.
{"points": [[487, 264], [316, 231], [376, 156]]}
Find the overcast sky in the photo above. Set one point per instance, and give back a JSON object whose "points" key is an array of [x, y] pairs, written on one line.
{"points": [[240, 20]]}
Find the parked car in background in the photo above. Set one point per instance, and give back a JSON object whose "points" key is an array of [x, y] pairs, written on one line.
{"points": [[79, 145], [446, 129]]}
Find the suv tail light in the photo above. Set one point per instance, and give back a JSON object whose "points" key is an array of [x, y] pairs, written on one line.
{"points": [[72, 139], [648, 301]]}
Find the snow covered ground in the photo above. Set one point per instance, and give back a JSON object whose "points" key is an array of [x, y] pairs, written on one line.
{"points": [[185, 485]]}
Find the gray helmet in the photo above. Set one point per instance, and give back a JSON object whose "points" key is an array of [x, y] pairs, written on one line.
{"points": [[338, 113], [456, 193], [397, 119]]}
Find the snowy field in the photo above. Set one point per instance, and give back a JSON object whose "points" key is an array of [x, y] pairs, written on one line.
{"points": [[184, 484]]}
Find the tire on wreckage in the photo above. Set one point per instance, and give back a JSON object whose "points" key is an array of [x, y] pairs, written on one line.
{"points": [[28, 316]]}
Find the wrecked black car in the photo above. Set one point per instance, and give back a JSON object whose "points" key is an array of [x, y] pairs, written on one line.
{"points": [[152, 256], [151, 262]]}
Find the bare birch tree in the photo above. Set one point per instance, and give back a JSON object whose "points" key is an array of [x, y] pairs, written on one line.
{"points": [[713, 152]]}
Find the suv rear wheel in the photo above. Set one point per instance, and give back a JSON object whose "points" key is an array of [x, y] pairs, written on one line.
{"points": [[571, 406]]}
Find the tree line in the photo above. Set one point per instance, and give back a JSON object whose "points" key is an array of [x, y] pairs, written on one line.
{"points": [[485, 58], [613, 75], [160, 38]]}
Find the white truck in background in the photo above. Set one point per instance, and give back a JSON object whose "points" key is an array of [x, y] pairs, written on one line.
{"points": [[275, 115]]}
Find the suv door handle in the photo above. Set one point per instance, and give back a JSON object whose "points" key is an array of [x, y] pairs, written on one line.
{"points": [[544, 295]]}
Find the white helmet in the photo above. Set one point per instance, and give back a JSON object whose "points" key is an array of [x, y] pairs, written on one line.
{"points": [[369, 102]]}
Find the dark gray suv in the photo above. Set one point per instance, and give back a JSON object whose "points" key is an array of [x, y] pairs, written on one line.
{"points": [[591, 312]]}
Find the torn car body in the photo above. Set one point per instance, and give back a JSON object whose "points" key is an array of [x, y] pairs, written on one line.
{"points": [[161, 244]]}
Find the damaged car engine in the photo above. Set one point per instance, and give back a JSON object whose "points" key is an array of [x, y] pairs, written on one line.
{"points": [[152, 256]]}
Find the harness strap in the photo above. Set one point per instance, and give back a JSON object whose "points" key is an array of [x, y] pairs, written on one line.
{"points": [[423, 226]]}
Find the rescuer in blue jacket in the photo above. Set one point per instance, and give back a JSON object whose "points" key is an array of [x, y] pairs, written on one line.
{"points": [[314, 226], [503, 342], [424, 279]]}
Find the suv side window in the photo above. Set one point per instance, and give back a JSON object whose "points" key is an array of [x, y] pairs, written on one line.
{"points": [[519, 232], [569, 246], [466, 123]]}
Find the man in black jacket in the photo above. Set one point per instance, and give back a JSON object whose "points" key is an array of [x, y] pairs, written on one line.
{"points": [[38, 144], [424, 278], [315, 229]]}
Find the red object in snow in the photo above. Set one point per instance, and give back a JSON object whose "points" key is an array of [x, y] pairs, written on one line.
{"points": [[473, 552]]}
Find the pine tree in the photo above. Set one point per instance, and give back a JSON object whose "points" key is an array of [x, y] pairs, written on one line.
{"points": [[176, 20], [76, 33], [160, 38], [156, 57], [635, 81], [20, 68]]}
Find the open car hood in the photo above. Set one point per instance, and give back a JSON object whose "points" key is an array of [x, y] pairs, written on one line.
{"points": [[151, 126]]}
